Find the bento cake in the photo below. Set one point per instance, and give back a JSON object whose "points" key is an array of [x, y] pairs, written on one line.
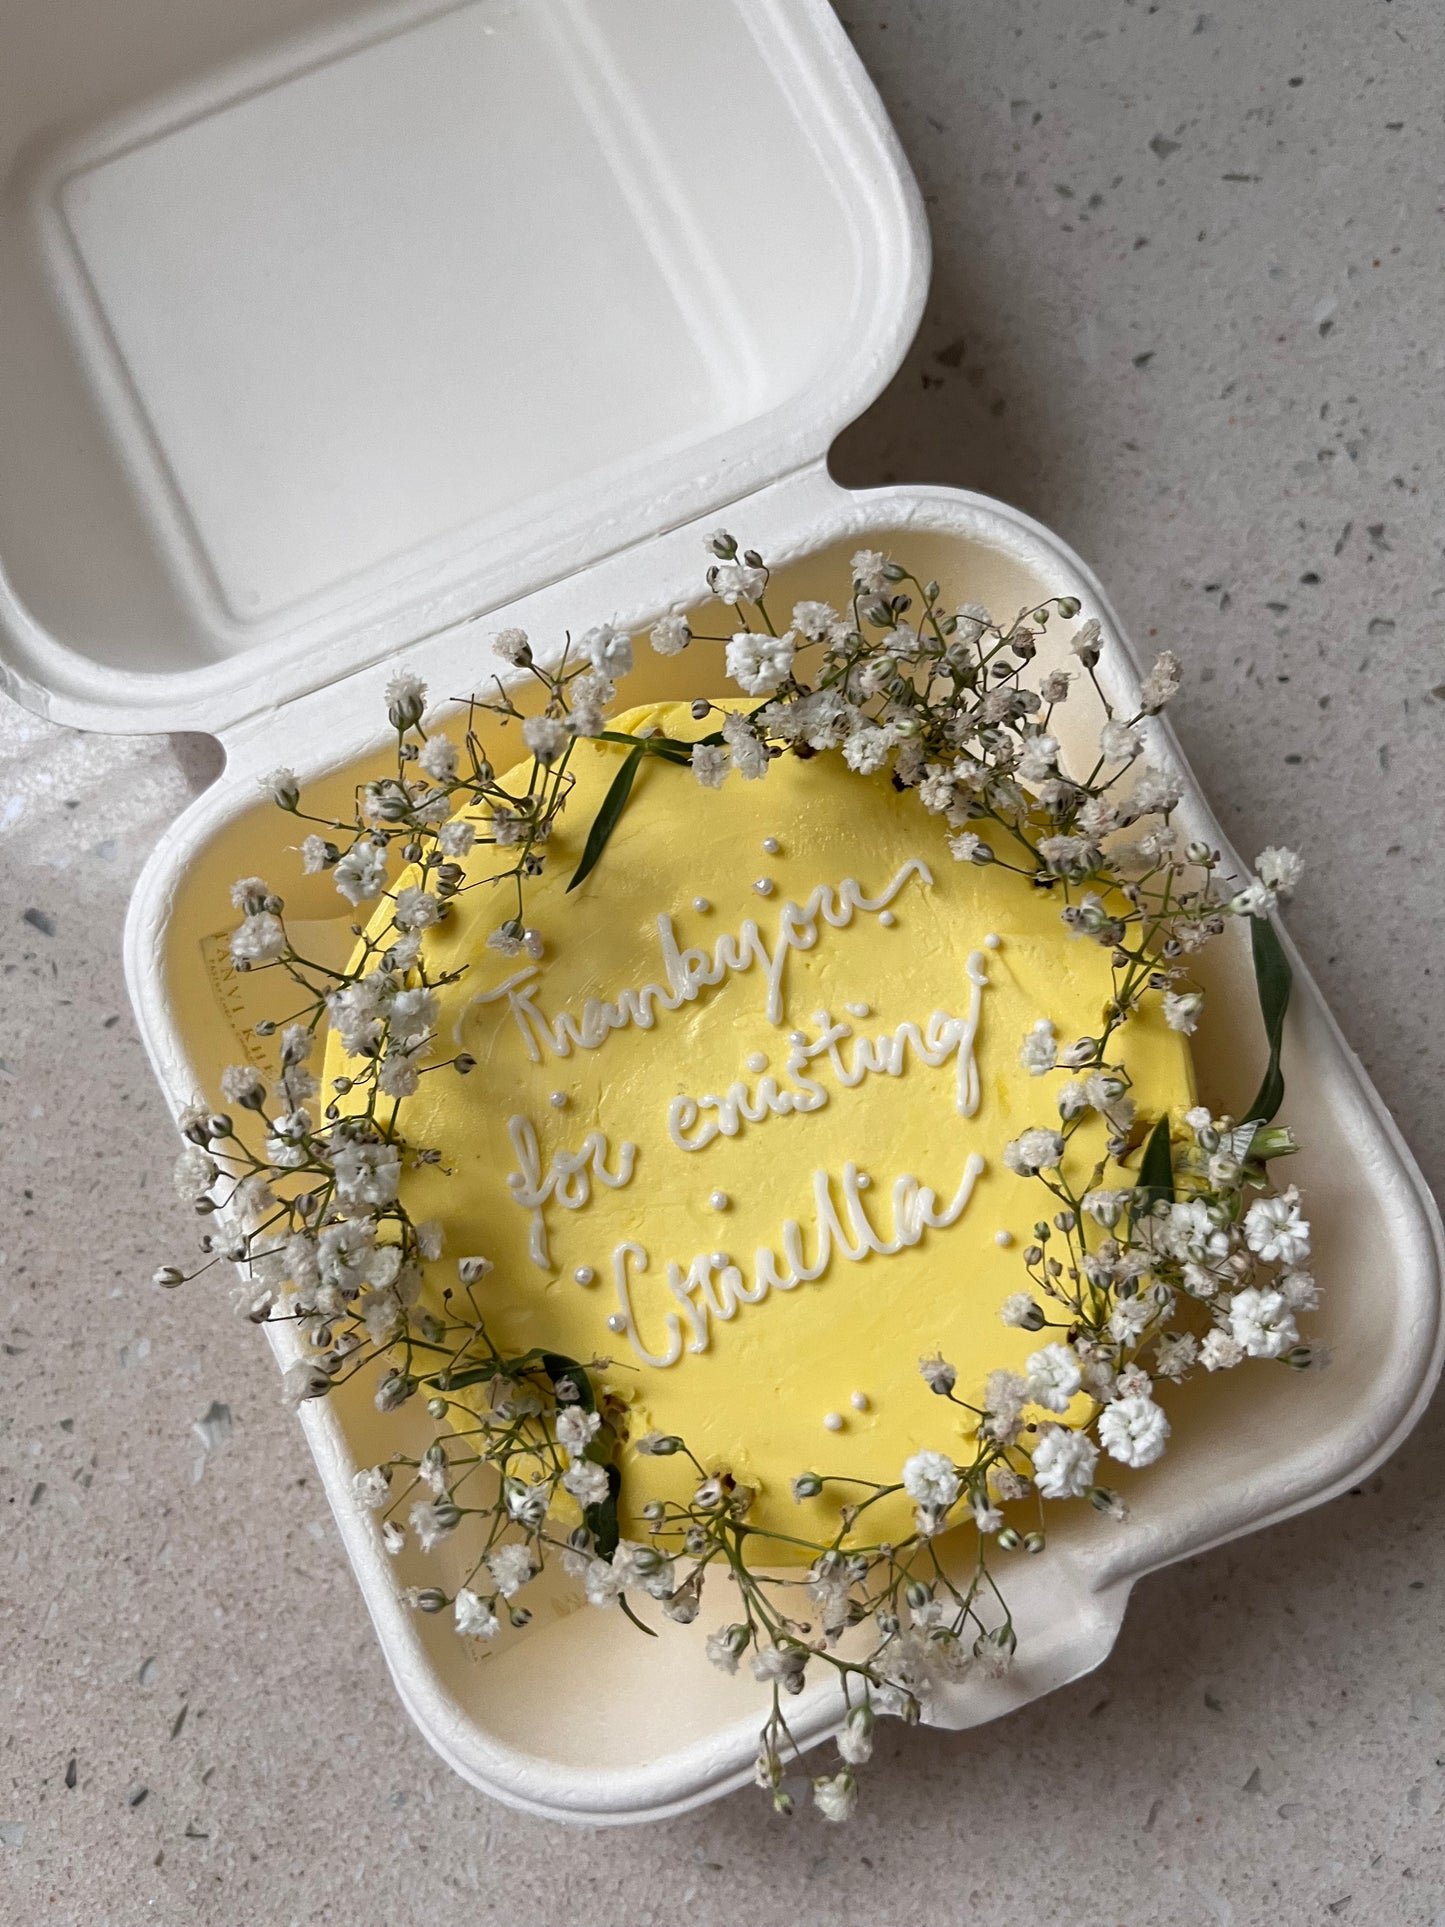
{"points": [[738, 1125]]}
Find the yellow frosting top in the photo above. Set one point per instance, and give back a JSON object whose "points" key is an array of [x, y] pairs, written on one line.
{"points": [[740, 1128]]}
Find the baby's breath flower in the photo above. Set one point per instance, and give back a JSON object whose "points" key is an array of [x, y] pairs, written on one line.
{"points": [[456, 838], [784, 1664], [930, 1479], [1262, 1323], [1034, 1151], [361, 873], [1054, 1377], [1086, 643], [474, 1617], [405, 700], [1119, 742], [260, 939], [371, 1487], [1162, 683], [1275, 1230], [608, 650], [1133, 1430], [438, 758], [546, 737], [1182, 1009], [1299, 1290], [814, 620], [748, 753], [855, 1742], [283, 788], [586, 1482], [710, 765], [870, 571], [415, 909], [836, 1796], [511, 1567], [1256, 899], [195, 1173], [240, 1084], [1279, 869], [725, 1647], [866, 748], [1020, 1310], [758, 663], [940, 1376], [1063, 1462], [1039, 1051], [671, 636], [576, 1430], [1155, 792], [431, 1520], [513, 647], [1220, 1351], [735, 582], [967, 847]]}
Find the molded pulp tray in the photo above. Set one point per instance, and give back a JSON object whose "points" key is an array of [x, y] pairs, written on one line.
{"points": [[329, 331]]}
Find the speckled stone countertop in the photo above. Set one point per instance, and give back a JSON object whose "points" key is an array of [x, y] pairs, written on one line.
{"points": [[1186, 310]]}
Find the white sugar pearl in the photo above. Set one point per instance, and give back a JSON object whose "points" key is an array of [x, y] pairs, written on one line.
{"points": [[701, 905], [756, 1062], [1004, 1238], [833, 1421], [514, 1179], [617, 1323], [992, 940], [719, 1200], [771, 846], [798, 1038], [765, 886], [558, 1100], [584, 1274], [721, 1260], [859, 1401], [864, 1180], [887, 919]]}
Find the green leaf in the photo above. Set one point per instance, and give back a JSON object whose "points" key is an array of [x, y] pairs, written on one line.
{"points": [[1156, 1171], [641, 1624], [601, 1520], [560, 1370], [608, 817], [1274, 980]]}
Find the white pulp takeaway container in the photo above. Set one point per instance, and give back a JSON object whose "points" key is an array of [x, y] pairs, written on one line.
{"points": [[326, 329]]}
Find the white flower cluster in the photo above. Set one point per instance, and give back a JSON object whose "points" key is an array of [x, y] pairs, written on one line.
{"points": [[1192, 1260]]}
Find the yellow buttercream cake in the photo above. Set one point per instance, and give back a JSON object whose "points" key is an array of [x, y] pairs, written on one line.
{"points": [[739, 1129]]}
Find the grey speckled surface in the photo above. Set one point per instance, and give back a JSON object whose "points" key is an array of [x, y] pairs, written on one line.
{"points": [[1186, 309]]}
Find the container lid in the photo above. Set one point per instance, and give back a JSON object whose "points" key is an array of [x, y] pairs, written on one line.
{"points": [[396, 320]]}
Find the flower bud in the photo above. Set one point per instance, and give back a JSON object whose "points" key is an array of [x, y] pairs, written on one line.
{"points": [[807, 1485], [168, 1277], [1008, 1539], [282, 787]]}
